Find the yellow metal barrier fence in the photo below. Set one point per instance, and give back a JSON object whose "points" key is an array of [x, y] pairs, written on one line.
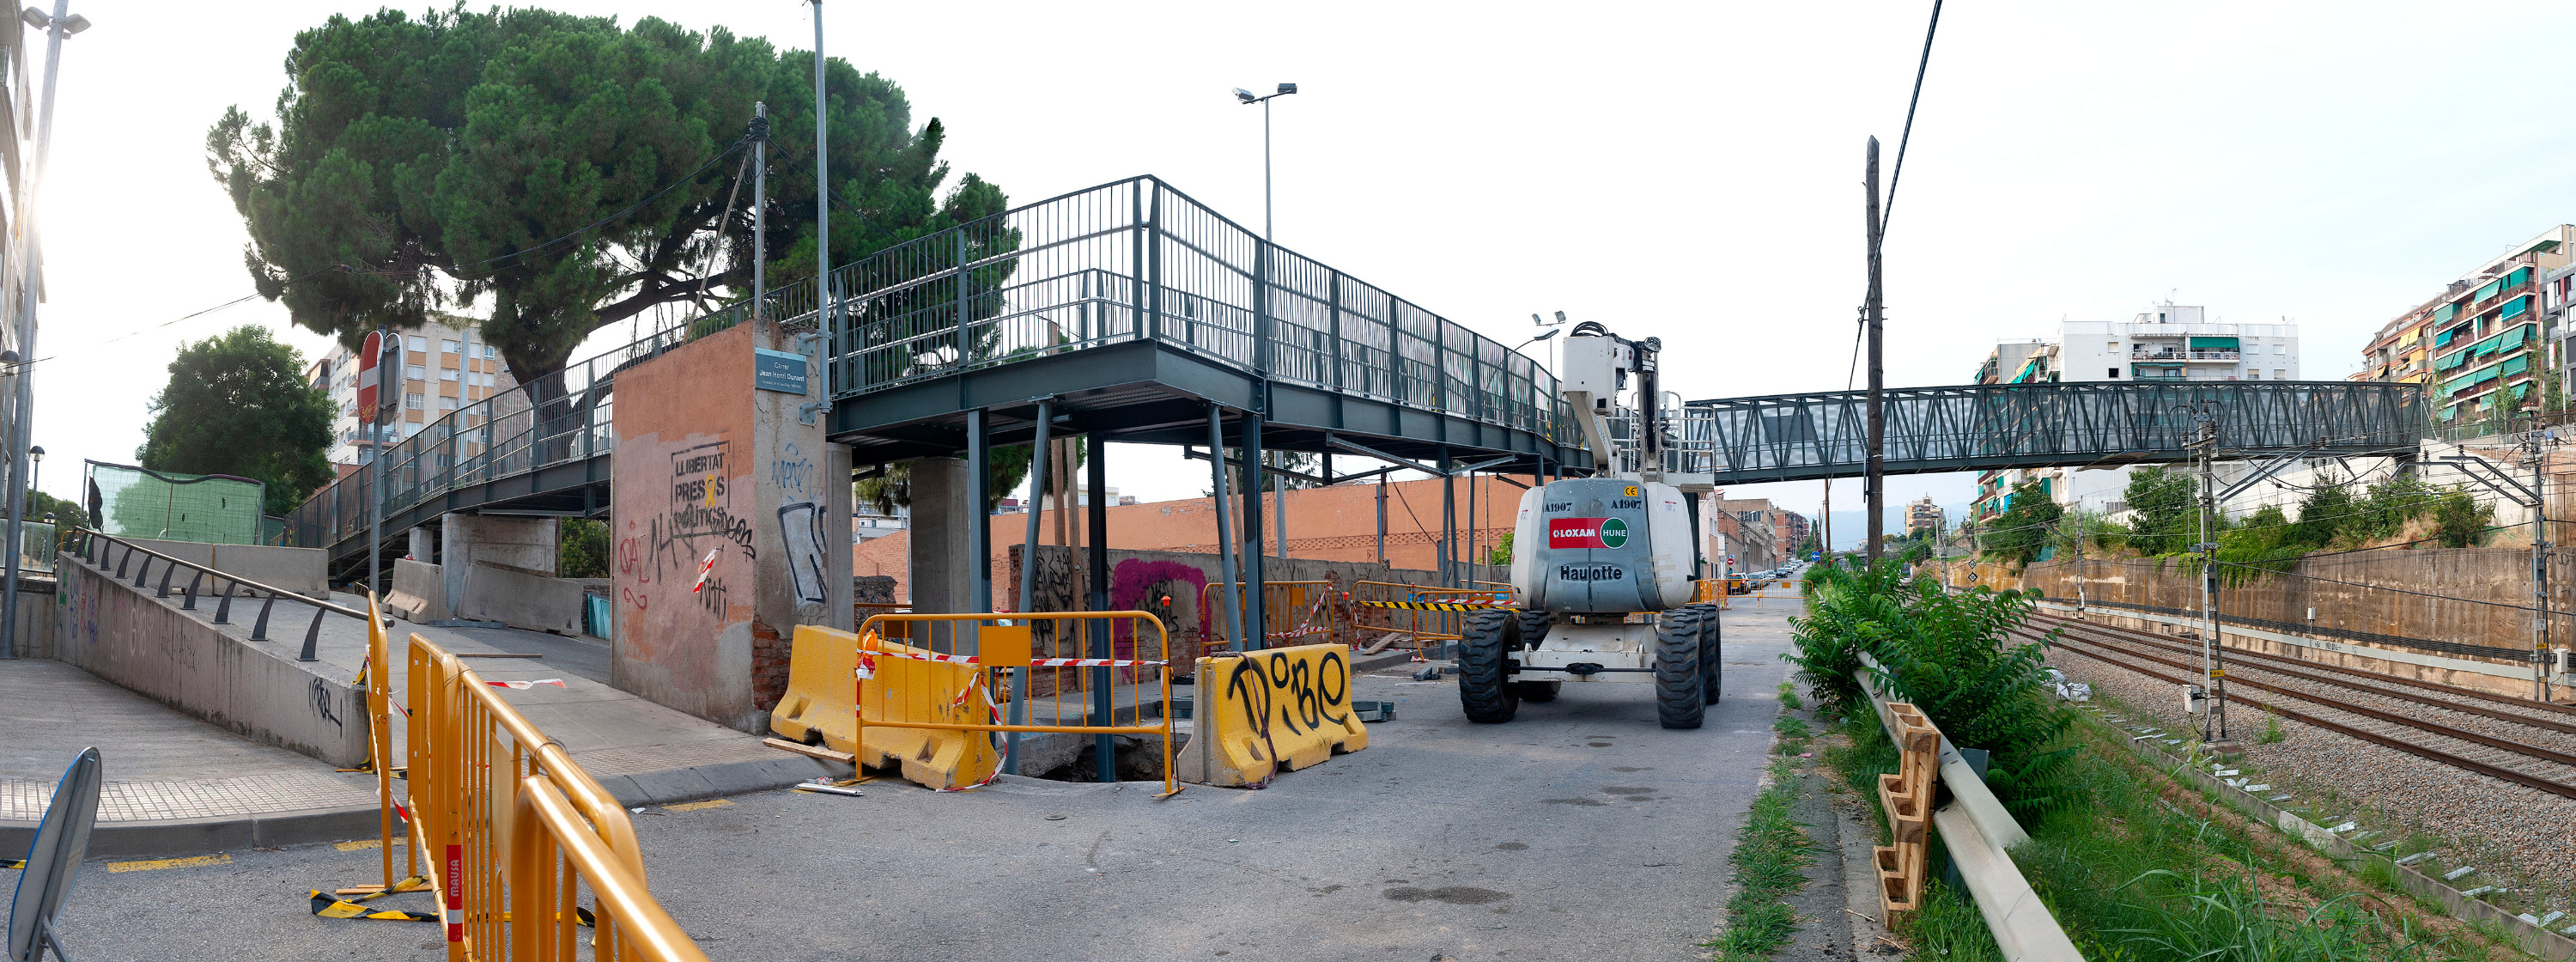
{"points": [[981, 652], [1292, 613], [1381, 608], [507, 820]]}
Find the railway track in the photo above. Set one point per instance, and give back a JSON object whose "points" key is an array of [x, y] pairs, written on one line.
{"points": [[2544, 714], [2467, 701], [2496, 757]]}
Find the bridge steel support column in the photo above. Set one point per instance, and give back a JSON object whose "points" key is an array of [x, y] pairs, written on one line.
{"points": [[1039, 460], [1225, 527], [1249, 453], [979, 523], [1448, 520], [1103, 705]]}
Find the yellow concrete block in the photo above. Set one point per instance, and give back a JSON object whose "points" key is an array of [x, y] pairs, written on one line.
{"points": [[1263, 711], [822, 682]]}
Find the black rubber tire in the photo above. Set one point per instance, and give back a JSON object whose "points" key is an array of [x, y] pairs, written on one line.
{"points": [[1712, 667], [1677, 669], [1541, 691], [1534, 626], [1484, 689]]}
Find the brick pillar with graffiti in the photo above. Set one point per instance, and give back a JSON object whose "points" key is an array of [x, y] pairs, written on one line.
{"points": [[723, 515]]}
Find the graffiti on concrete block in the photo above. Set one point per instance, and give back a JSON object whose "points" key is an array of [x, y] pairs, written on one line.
{"points": [[800, 525], [323, 697]]}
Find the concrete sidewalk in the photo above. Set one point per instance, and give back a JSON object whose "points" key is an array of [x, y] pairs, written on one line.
{"points": [[178, 786]]}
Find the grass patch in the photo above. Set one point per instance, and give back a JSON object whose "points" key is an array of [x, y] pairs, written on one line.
{"points": [[1770, 861], [1789, 697]]}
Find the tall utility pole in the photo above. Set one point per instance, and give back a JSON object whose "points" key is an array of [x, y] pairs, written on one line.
{"points": [[2531, 446], [386, 342], [823, 206], [31, 261], [2213, 660], [759, 213], [1874, 479]]}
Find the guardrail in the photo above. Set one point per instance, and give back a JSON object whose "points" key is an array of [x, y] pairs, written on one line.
{"points": [[96, 548], [1977, 831], [515, 828]]}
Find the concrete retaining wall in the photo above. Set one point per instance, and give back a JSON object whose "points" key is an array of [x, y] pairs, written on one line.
{"points": [[256, 689], [522, 599], [299, 570]]}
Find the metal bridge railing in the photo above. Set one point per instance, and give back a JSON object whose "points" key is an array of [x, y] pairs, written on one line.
{"points": [[1137, 260], [551, 419]]}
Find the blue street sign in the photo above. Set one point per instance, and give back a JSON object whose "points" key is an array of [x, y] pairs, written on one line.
{"points": [[778, 371]]}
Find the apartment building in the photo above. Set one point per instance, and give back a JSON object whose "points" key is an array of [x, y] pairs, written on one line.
{"points": [[2177, 342], [2165, 342], [444, 367], [1923, 515], [2488, 333]]}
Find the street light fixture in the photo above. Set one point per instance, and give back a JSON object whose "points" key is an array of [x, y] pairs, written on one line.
{"points": [[1247, 98], [1542, 335]]}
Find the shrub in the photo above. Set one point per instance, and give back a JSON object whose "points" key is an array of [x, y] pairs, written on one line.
{"points": [[1945, 653]]}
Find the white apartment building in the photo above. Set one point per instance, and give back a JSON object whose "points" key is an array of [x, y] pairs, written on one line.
{"points": [[2175, 342], [444, 368], [2165, 342]]}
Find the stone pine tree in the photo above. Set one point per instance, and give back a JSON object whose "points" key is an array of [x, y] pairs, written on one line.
{"points": [[572, 171], [238, 404]]}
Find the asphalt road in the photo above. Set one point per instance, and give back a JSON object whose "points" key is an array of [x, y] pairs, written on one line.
{"points": [[1581, 830]]}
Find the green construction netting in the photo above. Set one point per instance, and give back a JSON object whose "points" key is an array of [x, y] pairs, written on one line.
{"points": [[139, 503]]}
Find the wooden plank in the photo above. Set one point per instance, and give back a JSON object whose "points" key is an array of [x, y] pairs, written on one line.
{"points": [[812, 751]]}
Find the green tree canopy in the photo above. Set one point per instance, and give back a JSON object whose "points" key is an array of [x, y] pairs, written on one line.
{"points": [[238, 404], [2029, 525], [2164, 515], [440, 158]]}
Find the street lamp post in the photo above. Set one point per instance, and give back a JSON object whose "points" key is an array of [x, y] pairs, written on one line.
{"points": [[1269, 229], [1246, 97], [62, 23]]}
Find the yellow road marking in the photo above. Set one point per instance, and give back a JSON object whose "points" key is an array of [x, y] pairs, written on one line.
{"points": [[162, 863], [366, 843], [694, 806]]}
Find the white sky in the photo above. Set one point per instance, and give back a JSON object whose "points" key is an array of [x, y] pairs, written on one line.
{"points": [[1689, 171]]}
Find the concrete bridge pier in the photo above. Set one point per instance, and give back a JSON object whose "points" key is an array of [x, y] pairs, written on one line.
{"points": [[464, 539], [731, 516]]}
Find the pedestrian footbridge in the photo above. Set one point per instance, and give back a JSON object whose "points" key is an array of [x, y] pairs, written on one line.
{"points": [[1130, 312]]}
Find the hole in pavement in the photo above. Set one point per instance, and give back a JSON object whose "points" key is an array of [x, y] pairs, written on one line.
{"points": [[1512, 846], [1623, 769], [1626, 789]]}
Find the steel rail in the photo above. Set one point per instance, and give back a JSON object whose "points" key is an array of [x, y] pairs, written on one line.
{"points": [[2465, 763], [2238, 651], [2433, 727], [2240, 657]]}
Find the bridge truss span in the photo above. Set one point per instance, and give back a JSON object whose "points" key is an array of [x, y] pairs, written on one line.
{"points": [[1795, 437]]}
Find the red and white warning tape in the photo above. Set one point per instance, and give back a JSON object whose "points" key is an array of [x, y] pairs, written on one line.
{"points": [[867, 669], [522, 685]]}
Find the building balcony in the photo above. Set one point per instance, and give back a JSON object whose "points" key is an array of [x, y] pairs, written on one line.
{"points": [[2179, 355]]}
